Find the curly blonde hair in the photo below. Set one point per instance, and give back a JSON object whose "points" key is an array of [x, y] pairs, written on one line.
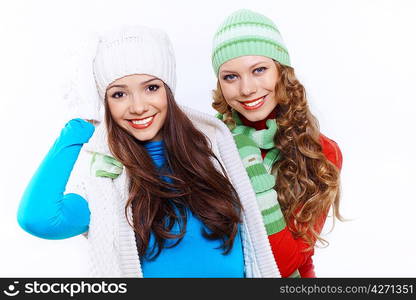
{"points": [[308, 184]]}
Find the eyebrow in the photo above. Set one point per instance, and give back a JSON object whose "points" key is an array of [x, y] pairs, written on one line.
{"points": [[252, 66], [117, 85], [125, 86]]}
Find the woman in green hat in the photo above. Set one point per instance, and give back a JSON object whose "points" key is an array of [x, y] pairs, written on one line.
{"points": [[293, 168]]}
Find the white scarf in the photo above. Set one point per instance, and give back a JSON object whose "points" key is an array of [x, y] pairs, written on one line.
{"points": [[112, 242]]}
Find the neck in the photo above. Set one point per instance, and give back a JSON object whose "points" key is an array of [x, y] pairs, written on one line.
{"points": [[259, 125], [156, 150]]}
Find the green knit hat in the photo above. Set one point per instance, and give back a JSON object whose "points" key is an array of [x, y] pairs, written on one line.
{"points": [[245, 32]]}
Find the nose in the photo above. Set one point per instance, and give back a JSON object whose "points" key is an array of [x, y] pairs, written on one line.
{"points": [[138, 105], [248, 86]]}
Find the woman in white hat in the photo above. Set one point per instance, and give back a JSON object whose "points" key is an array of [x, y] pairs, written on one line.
{"points": [[154, 196]]}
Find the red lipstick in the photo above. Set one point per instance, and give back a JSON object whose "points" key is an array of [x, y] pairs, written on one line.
{"points": [[255, 106], [142, 125]]}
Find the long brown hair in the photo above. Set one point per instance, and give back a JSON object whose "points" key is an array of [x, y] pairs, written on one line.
{"points": [[194, 183], [307, 182]]}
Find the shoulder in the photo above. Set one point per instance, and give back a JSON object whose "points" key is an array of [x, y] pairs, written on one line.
{"points": [[211, 126], [331, 150]]}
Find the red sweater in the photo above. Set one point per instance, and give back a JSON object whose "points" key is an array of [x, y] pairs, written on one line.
{"points": [[289, 252]]}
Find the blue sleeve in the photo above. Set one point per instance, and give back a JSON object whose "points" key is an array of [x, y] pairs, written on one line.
{"points": [[44, 210]]}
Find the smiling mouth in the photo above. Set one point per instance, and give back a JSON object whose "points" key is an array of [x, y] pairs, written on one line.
{"points": [[253, 104], [142, 123]]}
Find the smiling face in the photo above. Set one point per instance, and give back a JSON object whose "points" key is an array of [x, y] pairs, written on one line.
{"points": [[248, 85], [138, 103]]}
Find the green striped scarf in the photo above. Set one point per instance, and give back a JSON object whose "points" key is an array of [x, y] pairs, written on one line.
{"points": [[105, 166], [249, 141]]}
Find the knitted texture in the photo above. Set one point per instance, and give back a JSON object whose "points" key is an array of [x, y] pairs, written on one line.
{"points": [[81, 99], [112, 242], [101, 58], [134, 50], [105, 166], [245, 32], [249, 141]]}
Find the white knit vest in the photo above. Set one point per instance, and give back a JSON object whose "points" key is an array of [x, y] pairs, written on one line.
{"points": [[112, 245]]}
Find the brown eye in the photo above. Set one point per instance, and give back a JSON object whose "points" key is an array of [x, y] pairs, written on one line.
{"points": [[153, 87], [117, 95]]}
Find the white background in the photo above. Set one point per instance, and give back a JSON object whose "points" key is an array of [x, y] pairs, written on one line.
{"points": [[355, 58]]}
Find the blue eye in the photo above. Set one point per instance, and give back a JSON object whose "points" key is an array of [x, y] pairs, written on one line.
{"points": [[117, 95], [229, 77], [260, 70]]}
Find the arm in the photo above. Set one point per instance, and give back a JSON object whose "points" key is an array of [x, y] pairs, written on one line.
{"points": [[332, 151], [44, 210], [290, 253]]}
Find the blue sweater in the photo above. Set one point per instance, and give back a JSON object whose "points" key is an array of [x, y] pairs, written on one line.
{"points": [[45, 211]]}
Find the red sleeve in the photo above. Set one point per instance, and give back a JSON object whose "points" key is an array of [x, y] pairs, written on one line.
{"points": [[289, 252], [307, 270], [331, 150]]}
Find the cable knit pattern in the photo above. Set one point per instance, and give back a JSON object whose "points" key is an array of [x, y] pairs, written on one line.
{"points": [[112, 243]]}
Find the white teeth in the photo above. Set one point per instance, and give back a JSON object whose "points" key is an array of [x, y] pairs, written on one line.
{"points": [[254, 103], [143, 121]]}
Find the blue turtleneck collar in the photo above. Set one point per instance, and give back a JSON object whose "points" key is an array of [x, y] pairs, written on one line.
{"points": [[156, 150]]}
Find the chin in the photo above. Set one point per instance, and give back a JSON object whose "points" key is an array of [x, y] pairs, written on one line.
{"points": [[255, 119], [258, 116], [143, 138]]}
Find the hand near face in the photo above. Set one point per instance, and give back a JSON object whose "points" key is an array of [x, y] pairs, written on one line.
{"points": [[93, 122]]}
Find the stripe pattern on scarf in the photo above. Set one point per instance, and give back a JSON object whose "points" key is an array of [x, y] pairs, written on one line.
{"points": [[249, 142], [105, 166]]}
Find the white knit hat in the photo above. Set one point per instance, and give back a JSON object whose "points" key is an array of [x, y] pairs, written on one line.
{"points": [[113, 55], [134, 50]]}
